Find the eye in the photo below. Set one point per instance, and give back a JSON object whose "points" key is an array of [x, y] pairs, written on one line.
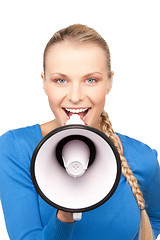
{"points": [[91, 80], [60, 80]]}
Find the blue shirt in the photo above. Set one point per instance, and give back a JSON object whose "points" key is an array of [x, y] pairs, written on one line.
{"points": [[29, 217]]}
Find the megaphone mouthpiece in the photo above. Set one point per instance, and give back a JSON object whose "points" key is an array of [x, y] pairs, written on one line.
{"points": [[75, 119]]}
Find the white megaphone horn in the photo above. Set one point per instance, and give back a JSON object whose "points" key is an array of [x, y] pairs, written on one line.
{"points": [[75, 168]]}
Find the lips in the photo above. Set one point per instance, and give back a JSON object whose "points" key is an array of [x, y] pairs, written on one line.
{"points": [[82, 112]]}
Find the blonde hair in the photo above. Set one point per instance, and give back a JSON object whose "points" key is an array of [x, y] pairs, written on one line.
{"points": [[83, 34], [145, 232]]}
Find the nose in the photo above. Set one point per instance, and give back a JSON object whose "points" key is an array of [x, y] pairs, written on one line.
{"points": [[76, 93]]}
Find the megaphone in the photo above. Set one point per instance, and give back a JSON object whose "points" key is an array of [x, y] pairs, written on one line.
{"points": [[75, 168]]}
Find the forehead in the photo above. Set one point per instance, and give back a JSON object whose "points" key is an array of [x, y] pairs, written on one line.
{"points": [[66, 57]]}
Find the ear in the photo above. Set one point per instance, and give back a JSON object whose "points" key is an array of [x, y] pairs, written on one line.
{"points": [[44, 82], [110, 83]]}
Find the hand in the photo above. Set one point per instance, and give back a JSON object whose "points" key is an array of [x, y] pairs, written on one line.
{"points": [[65, 216]]}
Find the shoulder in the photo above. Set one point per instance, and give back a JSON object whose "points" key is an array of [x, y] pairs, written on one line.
{"points": [[135, 145], [19, 144], [140, 157], [22, 136]]}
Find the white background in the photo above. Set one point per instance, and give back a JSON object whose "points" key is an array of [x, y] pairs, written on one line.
{"points": [[131, 29]]}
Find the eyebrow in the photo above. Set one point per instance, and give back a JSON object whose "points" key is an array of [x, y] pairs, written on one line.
{"points": [[60, 74], [87, 75]]}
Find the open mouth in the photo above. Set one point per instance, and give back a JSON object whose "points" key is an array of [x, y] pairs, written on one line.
{"points": [[82, 112]]}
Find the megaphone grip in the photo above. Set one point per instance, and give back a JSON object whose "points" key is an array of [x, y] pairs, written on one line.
{"points": [[77, 216]]}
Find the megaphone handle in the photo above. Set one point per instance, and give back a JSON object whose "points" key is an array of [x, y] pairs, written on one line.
{"points": [[77, 216]]}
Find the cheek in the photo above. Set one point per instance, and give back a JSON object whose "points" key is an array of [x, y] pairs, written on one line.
{"points": [[98, 96], [53, 98]]}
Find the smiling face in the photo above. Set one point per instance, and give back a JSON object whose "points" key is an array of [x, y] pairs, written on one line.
{"points": [[76, 81]]}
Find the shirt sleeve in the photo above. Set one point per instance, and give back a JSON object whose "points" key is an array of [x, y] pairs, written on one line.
{"points": [[152, 195], [20, 200]]}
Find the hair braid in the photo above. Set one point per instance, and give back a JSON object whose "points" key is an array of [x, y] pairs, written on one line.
{"points": [[145, 227]]}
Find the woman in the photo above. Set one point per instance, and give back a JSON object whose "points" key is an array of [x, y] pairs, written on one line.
{"points": [[77, 77]]}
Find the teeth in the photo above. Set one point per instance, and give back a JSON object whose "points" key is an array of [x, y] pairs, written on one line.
{"points": [[76, 110]]}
